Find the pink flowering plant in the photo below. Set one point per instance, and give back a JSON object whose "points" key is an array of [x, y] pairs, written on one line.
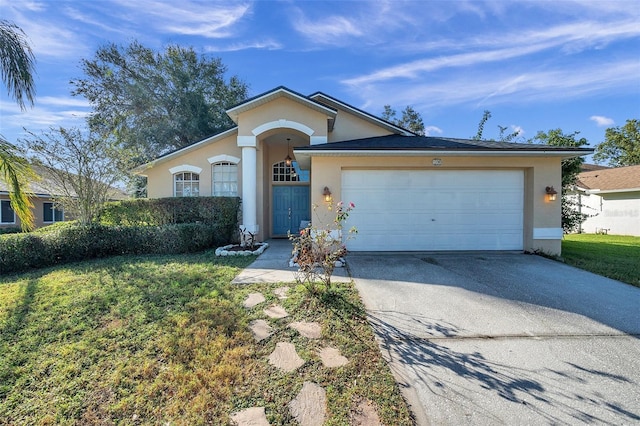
{"points": [[318, 250]]}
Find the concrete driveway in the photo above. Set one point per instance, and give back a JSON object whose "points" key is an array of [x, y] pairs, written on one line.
{"points": [[487, 338]]}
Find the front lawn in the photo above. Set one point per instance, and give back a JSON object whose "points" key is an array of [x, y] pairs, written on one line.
{"points": [[614, 256], [165, 340]]}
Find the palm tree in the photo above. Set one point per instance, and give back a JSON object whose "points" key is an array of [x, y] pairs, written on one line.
{"points": [[16, 68]]}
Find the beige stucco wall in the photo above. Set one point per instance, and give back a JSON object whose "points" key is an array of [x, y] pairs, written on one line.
{"points": [[540, 172], [160, 179], [348, 126], [38, 212], [282, 109]]}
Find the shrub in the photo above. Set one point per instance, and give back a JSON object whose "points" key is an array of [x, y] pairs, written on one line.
{"points": [[163, 211], [69, 243], [12, 230]]}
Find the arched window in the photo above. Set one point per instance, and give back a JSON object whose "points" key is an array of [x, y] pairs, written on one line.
{"points": [[225, 179], [289, 173], [186, 184]]}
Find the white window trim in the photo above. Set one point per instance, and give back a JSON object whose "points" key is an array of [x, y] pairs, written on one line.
{"points": [[224, 158], [14, 215], [185, 168]]}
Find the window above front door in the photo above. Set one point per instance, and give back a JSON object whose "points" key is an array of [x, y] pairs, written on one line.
{"points": [[289, 173]]}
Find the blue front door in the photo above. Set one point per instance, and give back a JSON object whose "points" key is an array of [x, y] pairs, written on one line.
{"points": [[290, 207]]}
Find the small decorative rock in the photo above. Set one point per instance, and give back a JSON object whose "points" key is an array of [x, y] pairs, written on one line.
{"points": [[226, 250], [285, 357], [332, 358], [309, 407], [310, 330], [253, 299], [281, 292], [260, 329], [253, 416], [365, 415], [276, 311]]}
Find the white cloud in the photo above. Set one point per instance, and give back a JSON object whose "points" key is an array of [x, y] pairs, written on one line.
{"points": [[234, 47], [205, 19], [499, 87], [517, 130], [430, 130], [329, 30], [602, 121]]}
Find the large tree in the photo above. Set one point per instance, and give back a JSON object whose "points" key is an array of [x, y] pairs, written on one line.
{"points": [[410, 120], [621, 146], [571, 215], [17, 65], [155, 102], [80, 167]]}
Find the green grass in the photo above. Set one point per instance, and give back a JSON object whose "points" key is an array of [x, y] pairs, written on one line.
{"points": [[613, 256], [164, 340]]}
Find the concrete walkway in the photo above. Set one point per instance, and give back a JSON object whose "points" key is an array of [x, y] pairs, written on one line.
{"points": [[272, 266]]}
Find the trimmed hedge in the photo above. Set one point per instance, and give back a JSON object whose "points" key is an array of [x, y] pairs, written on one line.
{"points": [[222, 211], [19, 252]]}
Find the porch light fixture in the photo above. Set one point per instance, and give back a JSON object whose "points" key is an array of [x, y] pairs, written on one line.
{"points": [[552, 194], [326, 193], [287, 159]]}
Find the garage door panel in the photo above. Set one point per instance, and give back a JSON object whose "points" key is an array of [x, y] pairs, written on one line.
{"points": [[435, 210]]}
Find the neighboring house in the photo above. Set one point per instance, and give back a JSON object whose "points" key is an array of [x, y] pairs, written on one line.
{"points": [[611, 198], [45, 209], [411, 192]]}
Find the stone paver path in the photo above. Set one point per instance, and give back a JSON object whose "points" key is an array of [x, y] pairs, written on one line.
{"points": [[276, 311], [332, 358], [365, 415], [253, 416], [285, 357], [309, 407], [260, 329], [281, 292], [310, 330], [253, 299]]}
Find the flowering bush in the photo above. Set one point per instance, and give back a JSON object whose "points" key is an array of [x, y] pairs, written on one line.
{"points": [[317, 250]]}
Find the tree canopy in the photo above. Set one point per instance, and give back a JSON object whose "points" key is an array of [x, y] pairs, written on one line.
{"points": [[410, 120], [621, 146], [155, 102]]}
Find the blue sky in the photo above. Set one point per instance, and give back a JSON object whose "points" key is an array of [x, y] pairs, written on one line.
{"points": [[535, 65]]}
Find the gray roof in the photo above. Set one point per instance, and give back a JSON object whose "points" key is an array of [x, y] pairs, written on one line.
{"points": [[431, 143]]}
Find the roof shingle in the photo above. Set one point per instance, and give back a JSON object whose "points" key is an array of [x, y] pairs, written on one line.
{"points": [[619, 178]]}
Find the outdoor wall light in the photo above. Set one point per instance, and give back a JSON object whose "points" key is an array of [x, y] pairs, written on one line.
{"points": [[326, 193], [552, 194]]}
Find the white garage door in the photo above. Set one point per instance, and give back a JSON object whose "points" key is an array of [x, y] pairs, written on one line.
{"points": [[412, 210]]}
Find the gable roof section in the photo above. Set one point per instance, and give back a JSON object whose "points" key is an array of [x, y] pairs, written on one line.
{"points": [[279, 92], [335, 103], [397, 145], [168, 156], [619, 179]]}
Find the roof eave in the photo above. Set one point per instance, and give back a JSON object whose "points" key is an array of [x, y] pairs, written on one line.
{"points": [[611, 191], [369, 117], [303, 157], [211, 139], [235, 111]]}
